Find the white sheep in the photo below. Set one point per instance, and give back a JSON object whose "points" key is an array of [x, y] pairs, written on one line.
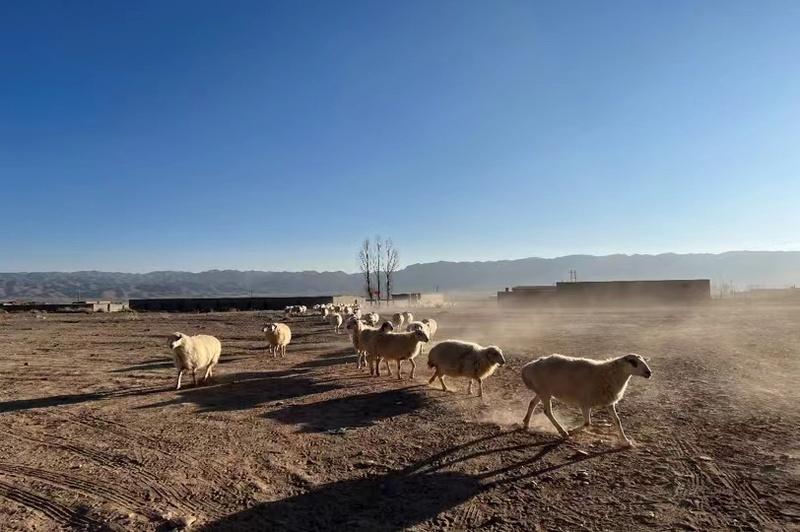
{"points": [[419, 326], [278, 337], [407, 317], [581, 382], [397, 320], [193, 353], [454, 358], [398, 347], [356, 328], [336, 321], [371, 319], [367, 343], [432, 326], [415, 326]]}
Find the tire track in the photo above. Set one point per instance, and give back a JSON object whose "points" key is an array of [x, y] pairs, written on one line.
{"points": [[180, 499], [50, 509], [178, 451], [57, 442], [708, 476], [89, 488]]}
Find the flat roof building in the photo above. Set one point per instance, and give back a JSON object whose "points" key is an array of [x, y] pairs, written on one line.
{"points": [[669, 291]]}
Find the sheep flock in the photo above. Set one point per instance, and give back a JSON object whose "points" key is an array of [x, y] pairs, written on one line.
{"points": [[584, 383]]}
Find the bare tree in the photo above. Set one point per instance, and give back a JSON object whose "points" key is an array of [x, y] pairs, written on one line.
{"points": [[377, 266], [392, 262], [365, 264]]}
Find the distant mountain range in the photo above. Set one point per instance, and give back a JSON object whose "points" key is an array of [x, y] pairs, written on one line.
{"points": [[743, 268]]}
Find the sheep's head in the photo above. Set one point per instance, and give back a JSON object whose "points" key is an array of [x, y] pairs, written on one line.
{"points": [[176, 340], [269, 327], [495, 354], [386, 327], [637, 366], [415, 326], [421, 335]]}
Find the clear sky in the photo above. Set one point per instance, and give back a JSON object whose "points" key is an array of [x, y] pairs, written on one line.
{"points": [[138, 136]]}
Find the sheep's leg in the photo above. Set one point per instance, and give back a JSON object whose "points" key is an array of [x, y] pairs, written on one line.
{"points": [[527, 421], [433, 377], [207, 375], [194, 377], [399, 375], [180, 374], [469, 387], [548, 411], [413, 368], [480, 388], [388, 367], [613, 410], [444, 386]]}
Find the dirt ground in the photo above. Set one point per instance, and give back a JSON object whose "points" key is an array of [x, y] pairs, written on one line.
{"points": [[93, 435]]}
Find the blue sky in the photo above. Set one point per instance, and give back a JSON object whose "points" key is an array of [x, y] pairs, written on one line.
{"points": [[139, 136]]}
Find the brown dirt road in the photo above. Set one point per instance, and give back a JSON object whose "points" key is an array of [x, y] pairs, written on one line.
{"points": [[93, 436]]}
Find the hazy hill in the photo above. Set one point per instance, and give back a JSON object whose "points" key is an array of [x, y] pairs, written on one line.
{"points": [[745, 268]]}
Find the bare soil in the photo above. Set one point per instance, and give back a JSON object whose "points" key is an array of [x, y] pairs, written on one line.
{"points": [[93, 435]]}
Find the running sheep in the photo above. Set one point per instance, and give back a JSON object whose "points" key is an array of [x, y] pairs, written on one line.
{"points": [[398, 347], [432, 326], [193, 353], [336, 321], [421, 326], [278, 337], [367, 339], [582, 382], [397, 320], [371, 319], [454, 358], [361, 335]]}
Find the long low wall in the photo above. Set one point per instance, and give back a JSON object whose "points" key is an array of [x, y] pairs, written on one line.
{"points": [[221, 304]]}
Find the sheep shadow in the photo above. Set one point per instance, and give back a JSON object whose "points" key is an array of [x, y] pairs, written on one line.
{"points": [[327, 361], [78, 398], [372, 503], [243, 391], [404, 498], [46, 402], [351, 411], [164, 363]]}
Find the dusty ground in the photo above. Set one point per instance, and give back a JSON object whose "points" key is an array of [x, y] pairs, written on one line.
{"points": [[93, 436]]}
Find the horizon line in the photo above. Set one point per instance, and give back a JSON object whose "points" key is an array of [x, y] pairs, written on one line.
{"points": [[197, 272]]}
